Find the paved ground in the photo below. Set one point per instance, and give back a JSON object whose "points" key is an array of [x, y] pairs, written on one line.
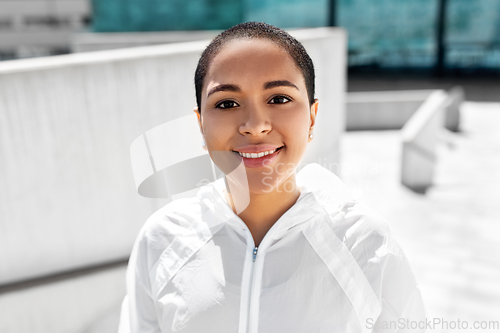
{"points": [[451, 234]]}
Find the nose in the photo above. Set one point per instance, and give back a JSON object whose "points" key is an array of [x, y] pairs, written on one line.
{"points": [[256, 122]]}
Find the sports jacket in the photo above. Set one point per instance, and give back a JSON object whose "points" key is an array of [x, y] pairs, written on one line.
{"points": [[329, 264]]}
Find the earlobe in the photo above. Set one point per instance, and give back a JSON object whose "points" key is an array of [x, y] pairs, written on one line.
{"points": [[313, 112]]}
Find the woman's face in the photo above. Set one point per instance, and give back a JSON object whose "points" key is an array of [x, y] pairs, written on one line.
{"points": [[254, 101]]}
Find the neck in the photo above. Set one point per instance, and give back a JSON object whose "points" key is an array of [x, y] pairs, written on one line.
{"points": [[264, 209]]}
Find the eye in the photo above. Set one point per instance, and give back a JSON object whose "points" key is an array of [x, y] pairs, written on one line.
{"points": [[226, 104], [279, 100]]}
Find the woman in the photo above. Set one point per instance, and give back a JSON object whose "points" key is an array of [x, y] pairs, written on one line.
{"points": [[269, 250]]}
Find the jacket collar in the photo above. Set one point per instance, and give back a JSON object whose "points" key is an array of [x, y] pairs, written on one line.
{"points": [[327, 187], [322, 192]]}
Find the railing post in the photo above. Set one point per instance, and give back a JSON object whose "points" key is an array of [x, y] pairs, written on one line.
{"points": [[440, 38], [332, 13]]}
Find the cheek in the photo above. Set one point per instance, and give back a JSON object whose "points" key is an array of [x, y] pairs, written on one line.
{"points": [[295, 127], [217, 130]]}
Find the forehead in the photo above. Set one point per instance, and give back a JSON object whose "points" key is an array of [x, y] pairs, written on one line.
{"points": [[247, 61]]}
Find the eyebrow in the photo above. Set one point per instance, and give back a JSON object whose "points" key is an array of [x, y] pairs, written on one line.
{"points": [[267, 85], [224, 87], [279, 83]]}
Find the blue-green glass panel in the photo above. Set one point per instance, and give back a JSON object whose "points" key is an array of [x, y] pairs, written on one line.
{"points": [[162, 15], [390, 33], [473, 33], [288, 13]]}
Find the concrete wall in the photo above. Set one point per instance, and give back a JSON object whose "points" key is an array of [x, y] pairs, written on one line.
{"points": [[68, 199], [76, 302]]}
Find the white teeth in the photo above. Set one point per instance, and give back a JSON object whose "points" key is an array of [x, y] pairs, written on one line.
{"points": [[257, 155]]}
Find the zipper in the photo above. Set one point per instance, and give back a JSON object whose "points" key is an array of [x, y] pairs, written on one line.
{"points": [[254, 283], [250, 288], [255, 253]]}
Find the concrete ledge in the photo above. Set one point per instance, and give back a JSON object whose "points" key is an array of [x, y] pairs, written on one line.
{"points": [[452, 118], [86, 42], [383, 110], [420, 135]]}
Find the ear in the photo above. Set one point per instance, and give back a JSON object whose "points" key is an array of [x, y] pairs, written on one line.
{"points": [[312, 115], [198, 114]]}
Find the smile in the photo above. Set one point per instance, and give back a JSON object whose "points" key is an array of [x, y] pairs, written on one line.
{"points": [[258, 155]]}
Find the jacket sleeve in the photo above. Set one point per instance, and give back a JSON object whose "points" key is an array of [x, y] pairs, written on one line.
{"points": [[138, 313], [401, 301]]}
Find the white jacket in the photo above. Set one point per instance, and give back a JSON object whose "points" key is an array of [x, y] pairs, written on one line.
{"points": [[328, 264]]}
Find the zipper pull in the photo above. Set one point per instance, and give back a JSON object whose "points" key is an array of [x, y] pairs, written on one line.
{"points": [[255, 253]]}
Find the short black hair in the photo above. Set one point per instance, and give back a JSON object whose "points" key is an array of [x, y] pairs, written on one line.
{"points": [[250, 30]]}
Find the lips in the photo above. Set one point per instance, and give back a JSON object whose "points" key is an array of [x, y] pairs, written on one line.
{"points": [[260, 148]]}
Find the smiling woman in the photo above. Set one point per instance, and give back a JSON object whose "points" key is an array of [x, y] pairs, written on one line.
{"points": [[303, 255], [254, 99]]}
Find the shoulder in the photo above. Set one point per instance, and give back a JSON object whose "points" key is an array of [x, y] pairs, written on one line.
{"points": [[360, 223], [173, 223], [367, 235], [369, 238], [363, 231], [175, 216]]}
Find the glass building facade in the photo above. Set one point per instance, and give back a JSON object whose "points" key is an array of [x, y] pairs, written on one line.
{"points": [[382, 33], [391, 33]]}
